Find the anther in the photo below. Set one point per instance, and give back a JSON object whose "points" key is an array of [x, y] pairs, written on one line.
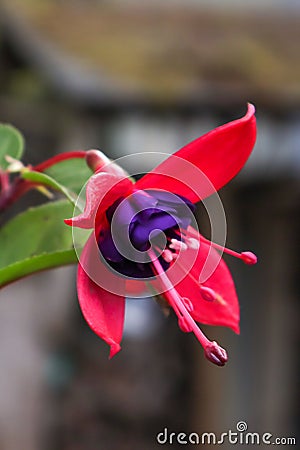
{"points": [[167, 255], [184, 325], [208, 294], [249, 258], [177, 245], [193, 243], [188, 304]]}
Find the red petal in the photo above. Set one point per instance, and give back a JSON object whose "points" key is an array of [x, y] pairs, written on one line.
{"points": [[219, 154], [103, 310], [99, 185], [223, 311]]}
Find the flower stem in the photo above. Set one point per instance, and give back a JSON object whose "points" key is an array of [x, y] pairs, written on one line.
{"points": [[59, 158], [4, 181], [13, 192], [10, 193]]}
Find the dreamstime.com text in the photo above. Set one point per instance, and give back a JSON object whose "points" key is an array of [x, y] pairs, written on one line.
{"points": [[240, 436]]}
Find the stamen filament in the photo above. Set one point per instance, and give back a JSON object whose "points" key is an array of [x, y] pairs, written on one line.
{"points": [[167, 255], [213, 352], [248, 257], [207, 293], [221, 248], [176, 302], [177, 245]]}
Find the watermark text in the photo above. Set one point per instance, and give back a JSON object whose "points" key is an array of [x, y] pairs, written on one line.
{"points": [[239, 436]]}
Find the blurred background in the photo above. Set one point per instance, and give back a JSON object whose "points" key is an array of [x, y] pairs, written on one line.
{"points": [[127, 77]]}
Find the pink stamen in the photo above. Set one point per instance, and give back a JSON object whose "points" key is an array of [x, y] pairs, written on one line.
{"points": [[178, 245], [175, 300], [213, 352], [188, 304], [248, 257], [193, 243], [167, 255], [181, 233], [183, 325], [190, 242], [208, 294]]}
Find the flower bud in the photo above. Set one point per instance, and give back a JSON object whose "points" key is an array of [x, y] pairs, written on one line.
{"points": [[95, 159]]}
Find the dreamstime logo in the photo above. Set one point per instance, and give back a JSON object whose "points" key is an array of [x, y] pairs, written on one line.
{"points": [[241, 426], [195, 182], [240, 436]]}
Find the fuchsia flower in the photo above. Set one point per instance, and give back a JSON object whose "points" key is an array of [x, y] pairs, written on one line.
{"points": [[142, 234]]}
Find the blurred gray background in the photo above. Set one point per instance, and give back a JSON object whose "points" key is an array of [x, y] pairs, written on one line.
{"points": [[130, 77]]}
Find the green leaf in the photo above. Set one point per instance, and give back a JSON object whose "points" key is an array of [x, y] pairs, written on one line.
{"points": [[11, 143], [71, 173], [46, 180], [35, 240]]}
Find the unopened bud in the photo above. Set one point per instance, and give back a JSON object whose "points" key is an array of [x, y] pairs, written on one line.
{"points": [[95, 159]]}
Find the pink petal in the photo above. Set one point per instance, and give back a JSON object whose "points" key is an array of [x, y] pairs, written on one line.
{"points": [[102, 188], [222, 311], [103, 310], [219, 154]]}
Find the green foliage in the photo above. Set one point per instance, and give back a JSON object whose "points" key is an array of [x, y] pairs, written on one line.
{"points": [[46, 180], [71, 173], [11, 144], [36, 240]]}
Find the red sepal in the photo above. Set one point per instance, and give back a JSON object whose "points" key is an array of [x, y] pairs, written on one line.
{"points": [[219, 155], [103, 310], [222, 311]]}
